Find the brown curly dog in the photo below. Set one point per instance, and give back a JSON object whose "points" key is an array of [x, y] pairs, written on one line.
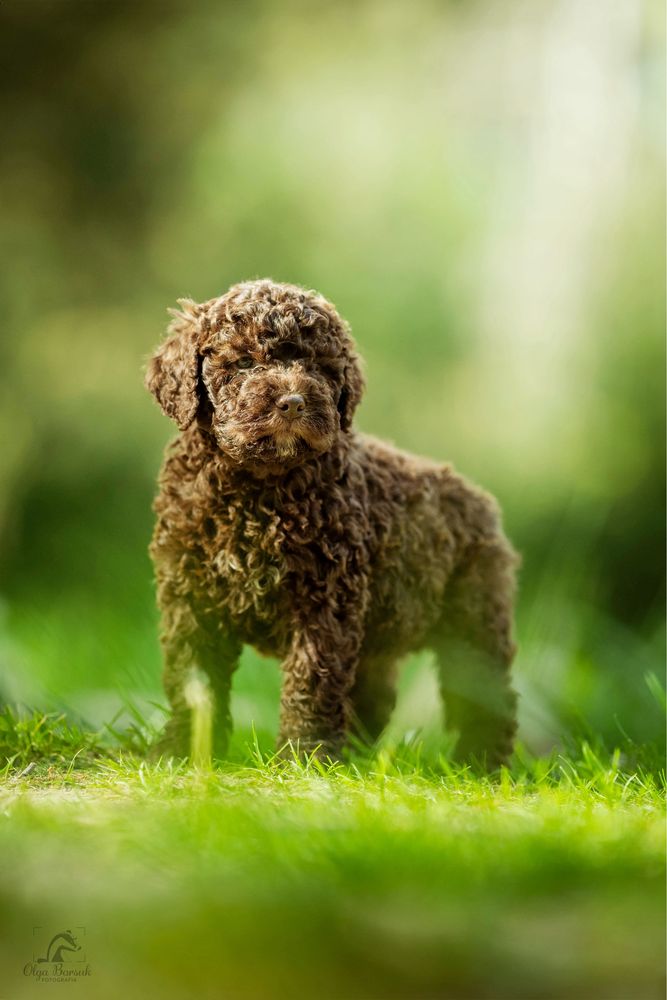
{"points": [[281, 527]]}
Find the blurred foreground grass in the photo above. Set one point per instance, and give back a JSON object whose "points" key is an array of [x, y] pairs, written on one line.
{"points": [[390, 876]]}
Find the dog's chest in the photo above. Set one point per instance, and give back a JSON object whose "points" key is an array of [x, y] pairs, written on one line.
{"points": [[247, 558], [265, 556]]}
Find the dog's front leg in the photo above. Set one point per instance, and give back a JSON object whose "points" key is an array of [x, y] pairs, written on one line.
{"points": [[194, 642], [318, 675]]}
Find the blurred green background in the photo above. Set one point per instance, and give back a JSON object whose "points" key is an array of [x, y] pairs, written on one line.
{"points": [[478, 186]]}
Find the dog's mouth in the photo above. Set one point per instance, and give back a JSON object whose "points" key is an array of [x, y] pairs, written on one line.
{"points": [[283, 447], [296, 437], [282, 443]]}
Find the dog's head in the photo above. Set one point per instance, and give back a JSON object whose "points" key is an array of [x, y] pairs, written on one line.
{"points": [[270, 368]]}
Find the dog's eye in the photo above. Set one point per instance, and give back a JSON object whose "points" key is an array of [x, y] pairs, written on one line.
{"points": [[245, 362], [331, 369], [287, 352]]}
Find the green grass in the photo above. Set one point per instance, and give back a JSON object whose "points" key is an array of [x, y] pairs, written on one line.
{"points": [[390, 876]]}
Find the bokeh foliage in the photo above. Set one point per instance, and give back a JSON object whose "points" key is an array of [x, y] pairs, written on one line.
{"points": [[494, 238]]}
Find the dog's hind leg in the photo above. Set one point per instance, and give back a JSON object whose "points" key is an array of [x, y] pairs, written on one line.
{"points": [[373, 696], [474, 646]]}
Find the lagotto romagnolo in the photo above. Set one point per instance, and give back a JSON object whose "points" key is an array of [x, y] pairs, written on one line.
{"points": [[281, 527]]}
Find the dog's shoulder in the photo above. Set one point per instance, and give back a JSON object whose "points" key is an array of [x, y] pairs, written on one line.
{"points": [[384, 461], [387, 453]]}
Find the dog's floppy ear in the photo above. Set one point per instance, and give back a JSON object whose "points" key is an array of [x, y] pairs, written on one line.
{"points": [[350, 394], [173, 371]]}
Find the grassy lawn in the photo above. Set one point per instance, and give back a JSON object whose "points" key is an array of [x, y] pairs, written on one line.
{"points": [[390, 876]]}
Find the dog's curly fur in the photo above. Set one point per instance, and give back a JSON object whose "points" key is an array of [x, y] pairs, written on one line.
{"points": [[281, 527]]}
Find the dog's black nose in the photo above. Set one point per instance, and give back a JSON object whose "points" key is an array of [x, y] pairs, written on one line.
{"points": [[291, 405]]}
